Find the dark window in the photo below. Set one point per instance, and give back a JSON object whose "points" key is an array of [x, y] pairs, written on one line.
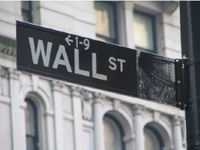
{"points": [[27, 11], [31, 125], [144, 31], [153, 140], [106, 25], [113, 133]]}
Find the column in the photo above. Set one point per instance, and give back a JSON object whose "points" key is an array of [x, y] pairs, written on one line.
{"points": [[78, 122], [98, 123], [1, 80], [138, 124], [50, 134], [57, 98], [23, 125], [129, 141], [15, 110], [176, 123]]}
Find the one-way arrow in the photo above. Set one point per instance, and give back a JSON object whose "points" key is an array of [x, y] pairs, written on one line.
{"points": [[68, 40]]}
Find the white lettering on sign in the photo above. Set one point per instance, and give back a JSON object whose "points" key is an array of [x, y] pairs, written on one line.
{"points": [[40, 50], [85, 42], [121, 62], [94, 69], [113, 65], [64, 61], [76, 64], [68, 40], [62, 58]]}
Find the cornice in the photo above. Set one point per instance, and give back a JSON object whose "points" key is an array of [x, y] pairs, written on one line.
{"points": [[7, 46]]}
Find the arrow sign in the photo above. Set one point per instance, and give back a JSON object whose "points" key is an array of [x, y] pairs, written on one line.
{"points": [[68, 40]]}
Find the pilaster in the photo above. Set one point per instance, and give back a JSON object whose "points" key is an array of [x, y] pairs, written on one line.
{"points": [[4, 88], [77, 112], [87, 99], [50, 130], [138, 124], [57, 96], [15, 109], [129, 141], [177, 135], [23, 124], [98, 122]]}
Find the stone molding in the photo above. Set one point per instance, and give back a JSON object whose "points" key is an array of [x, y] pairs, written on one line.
{"points": [[7, 46], [138, 109], [13, 74], [176, 121]]}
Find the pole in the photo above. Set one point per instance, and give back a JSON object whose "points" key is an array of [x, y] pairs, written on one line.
{"points": [[190, 41]]}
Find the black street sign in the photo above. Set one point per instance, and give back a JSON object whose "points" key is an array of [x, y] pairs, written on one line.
{"points": [[76, 59], [85, 61]]}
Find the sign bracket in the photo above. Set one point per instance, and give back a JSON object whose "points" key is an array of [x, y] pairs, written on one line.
{"points": [[182, 78]]}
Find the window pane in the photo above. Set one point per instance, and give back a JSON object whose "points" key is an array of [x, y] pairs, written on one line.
{"points": [[30, 120], [105, 20], [112, 135], [143, 31], [31, 125], [150, 141], [25, 17]]}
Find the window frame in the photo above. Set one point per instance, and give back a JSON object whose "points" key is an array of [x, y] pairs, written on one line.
{"points": [[154, 33], [27, 11], [114, 40]]}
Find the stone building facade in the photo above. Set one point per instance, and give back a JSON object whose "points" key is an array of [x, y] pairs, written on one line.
{"points": [[40, 113]]}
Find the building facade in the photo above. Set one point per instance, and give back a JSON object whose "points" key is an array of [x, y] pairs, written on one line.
{"points": [[40, 113]]}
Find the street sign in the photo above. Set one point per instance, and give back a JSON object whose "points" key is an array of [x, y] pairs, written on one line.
{"points": [[76, 59], [85, 61]]}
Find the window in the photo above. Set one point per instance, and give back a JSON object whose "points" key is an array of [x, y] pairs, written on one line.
{"points": [[31, 125], [144, 31], [153, 140], [113, 134], [27, 11], [105, 21]]}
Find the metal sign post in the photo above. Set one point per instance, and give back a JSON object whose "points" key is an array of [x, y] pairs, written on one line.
{"points": [[190, 39]]}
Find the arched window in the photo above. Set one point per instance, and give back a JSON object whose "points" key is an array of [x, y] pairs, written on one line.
{"points": [[152, 139], [31, 125], [113, 134]]}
